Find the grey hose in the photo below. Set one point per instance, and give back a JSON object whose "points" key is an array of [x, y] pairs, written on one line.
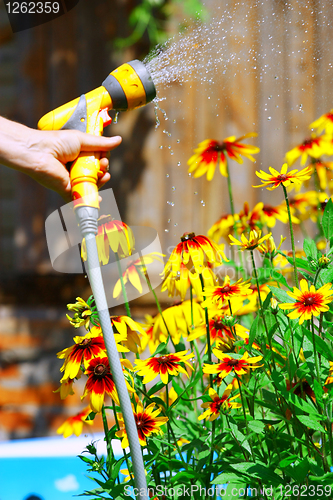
{"points": [[87, 218]]}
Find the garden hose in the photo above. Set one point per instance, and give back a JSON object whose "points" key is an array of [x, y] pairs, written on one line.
{"points": [[87, 218], [127, 87]]}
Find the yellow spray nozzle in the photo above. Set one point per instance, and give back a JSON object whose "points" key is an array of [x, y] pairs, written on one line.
{"points": [[127, 87]]}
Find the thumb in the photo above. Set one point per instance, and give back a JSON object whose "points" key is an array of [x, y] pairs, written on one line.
{"points": [[91, 142]]}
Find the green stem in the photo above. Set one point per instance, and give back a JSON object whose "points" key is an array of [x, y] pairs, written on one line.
{"points": [[157, 303], [108, 442], [261, 306], [124, 453], [123, 289], [230, 190], [291, 234]]}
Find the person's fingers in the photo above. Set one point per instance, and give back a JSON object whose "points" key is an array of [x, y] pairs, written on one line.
{"points": [[103, 180], [91, 142]]}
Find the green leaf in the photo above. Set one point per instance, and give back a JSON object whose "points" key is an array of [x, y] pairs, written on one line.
{"points": [[91, 416], [311, 422], [326, 275], [227, 477], [287, 461], [281, 295], [253, 331], [161, 348], [310, 249], [327, 220], [322, 347], [256, 426], [258, 471]]}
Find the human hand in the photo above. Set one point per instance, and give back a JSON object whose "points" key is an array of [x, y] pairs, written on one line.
{"points": [[43, 155]]}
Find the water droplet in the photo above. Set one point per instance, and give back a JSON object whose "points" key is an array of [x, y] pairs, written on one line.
{"points": [[269, 118], [161, 147], [179, 164], [203, 203], [178, 141], [167, 175], [176, 224], [116, 116], [174, 121], [166, 230], [190, 175], [169, 220], [173, 188], [195, 192], [171, 203], [270, 97]]}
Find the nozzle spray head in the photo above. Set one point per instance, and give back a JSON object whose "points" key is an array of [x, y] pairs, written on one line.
{"points": [[130, 86]]}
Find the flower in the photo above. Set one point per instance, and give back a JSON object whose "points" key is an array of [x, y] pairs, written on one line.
{"points": [[323, 123], [85, 347], [254, 240], [216, 295], [136, 270], [194, 252], [165, 365], [99, 383], [128, 330], [269, 247], [218, 403], [323, 168], [114, 234], [66, 388], [180, 283], [241, 366], [84, 313], [74, 425], [177, 320], [308, 303], [313, 147], [221, 327], [249, 220], [272, 214], [147, 423], [222, 228], [209, 153], [276, 178]]}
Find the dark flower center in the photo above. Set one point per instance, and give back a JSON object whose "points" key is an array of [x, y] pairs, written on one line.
{"points": [[226, 289], [218, 324], [100, 370], [85, 342], [233, 362], [309, 301], [282, 177], [220, 146], [187, 236]]}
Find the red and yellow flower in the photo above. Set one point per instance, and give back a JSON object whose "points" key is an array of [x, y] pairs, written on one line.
{"points": [[314, 147], [130, 333], [135, 271], [216, 295], [112, 234], [194, 252], [147, 422], [222, 228], [211, 153], [164, 365], [272, 214], [85, 347], [218, 403], [308, 302], [99, 383], [66, 387], [249, 220], [240, 366], [177, 320], [323, 169], [83, 313], [324, 123], [284, 177], [184, 279], [255, 239], [74, 425], [221, 327]]}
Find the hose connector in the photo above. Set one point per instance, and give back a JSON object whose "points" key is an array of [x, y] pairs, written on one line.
{"points": [[87, 218]]}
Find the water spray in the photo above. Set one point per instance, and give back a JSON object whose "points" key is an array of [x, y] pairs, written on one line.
{"points": [[127, 87]]}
